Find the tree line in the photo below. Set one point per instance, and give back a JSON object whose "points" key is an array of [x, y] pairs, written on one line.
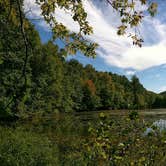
{"points": [[36, 77]]}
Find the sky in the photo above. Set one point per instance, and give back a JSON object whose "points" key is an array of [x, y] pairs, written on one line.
{"points": [[117, 54]]}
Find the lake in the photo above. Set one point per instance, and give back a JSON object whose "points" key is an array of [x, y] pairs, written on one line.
{"points": [[85, 117], [68, 132], [65, 126]]}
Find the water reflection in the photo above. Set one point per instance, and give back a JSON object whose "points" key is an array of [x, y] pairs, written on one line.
{"points": [[160, 124]]}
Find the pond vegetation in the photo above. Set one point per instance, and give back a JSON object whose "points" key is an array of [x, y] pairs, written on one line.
{"points": [[68, 139]]}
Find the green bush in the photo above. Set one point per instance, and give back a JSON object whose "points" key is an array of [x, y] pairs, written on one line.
{"points": [[123, 142], [22, 148]]}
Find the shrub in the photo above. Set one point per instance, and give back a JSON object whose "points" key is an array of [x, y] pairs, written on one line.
{"points": [[22, 148], [120, 142]]}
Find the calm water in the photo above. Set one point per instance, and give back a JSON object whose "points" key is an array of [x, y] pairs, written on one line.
{"points": [[77, 123]]}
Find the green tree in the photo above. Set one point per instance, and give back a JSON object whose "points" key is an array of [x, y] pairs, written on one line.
{"points": [[138, 93], [105, 90], [90, 100], [47, 75], [36, 76]]}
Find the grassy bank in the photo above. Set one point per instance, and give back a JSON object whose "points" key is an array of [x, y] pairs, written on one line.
{"points": [[69, 139]]}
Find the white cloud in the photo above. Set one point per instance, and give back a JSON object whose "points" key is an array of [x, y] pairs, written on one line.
{"points": [[162, 89], [130, 72], [31, 9], [115, 50], [142, 58]]}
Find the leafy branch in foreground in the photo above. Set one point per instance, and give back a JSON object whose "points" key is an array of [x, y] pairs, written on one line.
{"points": [[73, 41], [130, 17]]}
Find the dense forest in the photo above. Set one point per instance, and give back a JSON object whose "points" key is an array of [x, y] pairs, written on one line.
{"points": [[37, 77]]}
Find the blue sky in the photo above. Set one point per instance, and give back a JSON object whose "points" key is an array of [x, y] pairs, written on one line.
{"points": [[117, 54]]}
